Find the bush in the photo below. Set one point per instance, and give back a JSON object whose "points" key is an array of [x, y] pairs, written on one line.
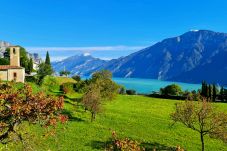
{"points": [[80, 86], [123, 144], [32, 79], [121, 90], [67, 87], [130, 92], [76, 78], [172, 89]]}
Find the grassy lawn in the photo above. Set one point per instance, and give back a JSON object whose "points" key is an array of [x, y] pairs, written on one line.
{"points": [[139, 118]]}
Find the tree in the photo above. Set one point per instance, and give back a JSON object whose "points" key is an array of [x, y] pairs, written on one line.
{"points": [[172, 89], [222, 93], [214, 93], [30, 66], [76, 78], [209, 91], [92, 100], [108, 88], [4, 61], [21, 105], [44, 70], [203, 118], [47, 60], [103, 74], [66, 73]]}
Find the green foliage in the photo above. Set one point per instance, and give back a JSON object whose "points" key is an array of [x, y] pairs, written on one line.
{"points": [[32, 79], [139, 118], [108, 88], [67, 87], [47, 60], [121, 90], [203, 118], [66, 73], [103, 74], [81, 86], [44, 70], [30, 66], [131, 92], [51, 84], [24, 60], [92, 100], [172, 89], [4, 61], [19, 105], [76, 78]]}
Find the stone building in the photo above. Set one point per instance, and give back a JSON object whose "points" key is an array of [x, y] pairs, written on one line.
{"points": [[13, 72]]}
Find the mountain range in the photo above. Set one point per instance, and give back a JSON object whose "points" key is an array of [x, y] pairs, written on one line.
{"points": [[191, 57]]}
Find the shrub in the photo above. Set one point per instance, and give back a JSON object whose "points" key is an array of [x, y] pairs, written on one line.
{"points": [[172, 89], [124, 144], [130, 92], [67, 87], [121, 90], [76, 78], [32, 79]]}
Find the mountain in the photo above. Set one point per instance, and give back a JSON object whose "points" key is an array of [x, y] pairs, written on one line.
{"points": [[82, 65], [192, 57]]}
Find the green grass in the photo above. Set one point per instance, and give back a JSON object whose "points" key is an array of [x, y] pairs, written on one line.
{"points": [[139, 118]]}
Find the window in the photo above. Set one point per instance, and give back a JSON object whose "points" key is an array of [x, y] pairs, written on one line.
{"points": [[14, 76], [14, 51]]}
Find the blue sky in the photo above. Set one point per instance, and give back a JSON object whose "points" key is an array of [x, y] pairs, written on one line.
{"points": [[104, 28]]}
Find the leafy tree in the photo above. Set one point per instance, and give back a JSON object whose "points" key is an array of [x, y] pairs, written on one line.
{"points": [[66, 73], [92, 100], [30, 66], [47, 60], [76, 78], [214, 93], [172, 89], [4, 61], [210, 91], [222, 93], [131, 92], [203, 118], [18, 106], [103, 74], [108, 88], [44, 70]]}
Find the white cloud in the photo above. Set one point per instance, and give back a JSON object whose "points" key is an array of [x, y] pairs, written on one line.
{"points": [[86, 49]]}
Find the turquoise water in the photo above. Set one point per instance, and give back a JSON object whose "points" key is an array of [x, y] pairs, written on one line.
{"points": [[150, 85]]}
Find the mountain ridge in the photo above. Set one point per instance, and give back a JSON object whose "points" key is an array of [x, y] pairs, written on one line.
{"points": [[191, 57]]}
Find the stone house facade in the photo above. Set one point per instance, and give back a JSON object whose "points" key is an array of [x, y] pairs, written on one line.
{"points": [[13, 72]]}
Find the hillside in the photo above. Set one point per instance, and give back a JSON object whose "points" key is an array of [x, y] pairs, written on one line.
{"points": [[191, 57], [78, 64], [139, 118]]}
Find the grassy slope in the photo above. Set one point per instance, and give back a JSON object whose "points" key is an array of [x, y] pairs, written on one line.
{"points": [[140, 118]]}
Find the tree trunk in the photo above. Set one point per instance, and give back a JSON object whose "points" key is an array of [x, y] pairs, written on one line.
{"points": [[202, 141]]}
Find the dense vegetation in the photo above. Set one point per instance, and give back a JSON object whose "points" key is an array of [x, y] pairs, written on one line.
{"points": [[137, 120]]}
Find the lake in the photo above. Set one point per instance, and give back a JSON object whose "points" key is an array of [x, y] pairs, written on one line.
{"points": [[149, 85]]}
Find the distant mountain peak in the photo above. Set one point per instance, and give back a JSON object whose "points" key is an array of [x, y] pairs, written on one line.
{"points": [[86, 54]]}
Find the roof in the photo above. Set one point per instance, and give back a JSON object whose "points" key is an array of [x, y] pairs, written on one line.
{"points": [[5, 67]]}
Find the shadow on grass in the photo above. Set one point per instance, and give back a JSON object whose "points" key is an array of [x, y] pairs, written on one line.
{"points": [[71, 117], [147, 146], [157, 146]]}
